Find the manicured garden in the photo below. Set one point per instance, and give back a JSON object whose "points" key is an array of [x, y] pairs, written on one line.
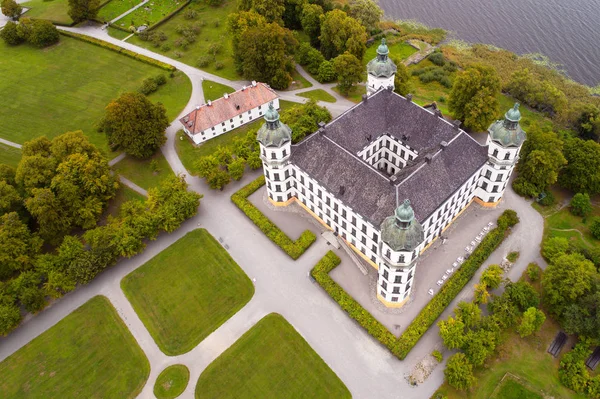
{"points": [[318, 95], [145, 173], [171, 382], [115, 8], [57, 90], [212, 25], [150, 13], [9, 155], [88, 354], [213, 90], [52, 10], [271, 360], [187, 291], [293, 248]]}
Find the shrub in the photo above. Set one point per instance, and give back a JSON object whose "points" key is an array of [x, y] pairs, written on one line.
{"points": [[10, 34], [293, 248], [437, 355], [215, 48], [204, 61], [219, 65], [165, 47], [401, 346], [437, 58], [39, 32], [326, 72], [533, 271], [160, 79], [190, 14], [548, 200], [581, 205], [148, 86], [512, 256]]}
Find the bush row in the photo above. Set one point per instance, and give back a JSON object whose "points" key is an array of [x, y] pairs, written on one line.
{"points": [[120, 50], [401, 346], [171, 15], [293, 248]]}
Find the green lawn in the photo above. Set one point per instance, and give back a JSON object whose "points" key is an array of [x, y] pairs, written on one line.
{"points": [[187, 291], [66, 87], [397, 50], [189, 154], [511, 389], [117, 33], [213, 22], [150, 13], [298, 81], [53, 10], [213, 90], [9, 155], [560, 223], [318, 95], [116, 8], [355, 94], [140, 171], [171, 382], [271, 360], [88, 354]]}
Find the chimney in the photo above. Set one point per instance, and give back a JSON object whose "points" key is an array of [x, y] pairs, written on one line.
{"points": [[209, 103], [443, 145], [254, 83], [342, 190], [428, 158], [243, 88], [365, 97], [226, 96], [437, 112], [456, 124], [197, 107], [409, 97], [321, 125]]}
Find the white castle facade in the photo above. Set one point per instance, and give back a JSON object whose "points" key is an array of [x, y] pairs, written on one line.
{"points": [[388, 176]]}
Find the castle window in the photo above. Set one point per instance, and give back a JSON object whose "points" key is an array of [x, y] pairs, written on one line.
{"points": [[407, 287], [488, 174], [394, 299], [374, 248], [506, 156], [276, 176], [375, 237], [288, 185], [396, 290], [310, 186], [284, 152], [344, 213], [279, 199], [343, 225], [495, 153], [364, 228], [484, 185], [363, 240], [492, 199], [272, 155], [335, 207], [386, 275], [495, 189], [398, 279], [401, 260], [388, 254], [499, 178], [353, 220]]}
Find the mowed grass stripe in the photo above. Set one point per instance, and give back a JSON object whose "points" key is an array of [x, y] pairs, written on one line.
{"points": [[271, 360], [187, 291], [88, 354], [66, 87]]}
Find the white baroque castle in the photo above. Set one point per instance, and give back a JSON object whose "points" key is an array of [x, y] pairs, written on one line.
{"points": [[388, 176]]}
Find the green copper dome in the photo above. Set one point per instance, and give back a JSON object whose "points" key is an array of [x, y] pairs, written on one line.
{"points": [[402, 232], [273, 133], [508, 132], [382, 65]]}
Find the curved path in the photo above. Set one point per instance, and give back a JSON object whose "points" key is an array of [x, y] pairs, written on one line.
{"points": [[282, 285]]}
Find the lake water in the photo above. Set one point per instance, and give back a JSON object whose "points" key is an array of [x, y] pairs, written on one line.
{"points": [[566, 31]]}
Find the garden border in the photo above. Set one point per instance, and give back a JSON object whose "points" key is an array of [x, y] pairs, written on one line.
{"points": [[402, 345], [293, 248]]}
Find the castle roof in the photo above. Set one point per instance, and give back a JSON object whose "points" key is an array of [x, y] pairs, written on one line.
{"points": [[227, 107], [447, 158]]}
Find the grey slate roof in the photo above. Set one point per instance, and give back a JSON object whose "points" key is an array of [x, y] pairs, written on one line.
{"points": [[372, 195], [387, 112]]}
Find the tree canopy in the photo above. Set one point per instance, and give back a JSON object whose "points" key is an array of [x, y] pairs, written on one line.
{"points": [[82, 10], [11, 9], [459, 372], [341, 33], [582, 172], [349, 71], [367, 12]]}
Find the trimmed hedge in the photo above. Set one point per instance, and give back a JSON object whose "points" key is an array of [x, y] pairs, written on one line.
{"points": [[293, 248], [168, 17], [120, 50], [401, 346]]}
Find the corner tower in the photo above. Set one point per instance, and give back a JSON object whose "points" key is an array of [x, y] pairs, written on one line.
{"points": [[381, 70], [401, 235], [505, 139], [275, 140]]}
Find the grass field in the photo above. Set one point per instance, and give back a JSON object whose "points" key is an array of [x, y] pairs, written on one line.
{"points": [[355, 94], [57, 89], [298, 81], [399, 50], [150, 13], [52, 10], [512, 389], [140, 171], [171, 382], [213, 90], [575, 228], [88, 354], [116, 8], [190, 154], [9, 155], [117, 33], [318, 95], [214, 30], [187, 291], [271, 360]]}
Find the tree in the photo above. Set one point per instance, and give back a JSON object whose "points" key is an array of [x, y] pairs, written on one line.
{"points": [[581, 205], [503, 310], [172, 203], [326, 72], [237, 25], [459, 372], [587, 122], [522, 294], [582, 172], [10, 199], [554, 247], [18, 246], [482, 296], [572, 372], [11, 9], [536, 92], [271, 10], [264, 54], [567, 278], [254, 161], [469, 313], [292, 15], [492, 276], [236, 168], [136, 125], [401, 79], [304, 119], [367, 12], [341, 33], [82, 10], [452, 332], [10, 34], [223, 155], [594, 227], [349, 70], [531, 322], [583, 317], [42, 33], [473, 97], [206, 164], [9, 318], [311, 22], [479, 345]]}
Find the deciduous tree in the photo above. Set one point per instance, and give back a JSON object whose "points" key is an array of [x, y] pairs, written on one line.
{"points": [[172, 203], [492, 276], [367, 12], [567, 278], [452, 332], [136, 125], [311, 22], [18, 246], [554, 247], [469, 313], [236, 168], [82, 10], [341, 33], [459, 372], [11, 9], [582, 172], [531, 322], [522, 294], [581, 205], [349, 70]]}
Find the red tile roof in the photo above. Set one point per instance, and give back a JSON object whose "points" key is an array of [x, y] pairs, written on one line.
{"points": [[223, 109]]}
